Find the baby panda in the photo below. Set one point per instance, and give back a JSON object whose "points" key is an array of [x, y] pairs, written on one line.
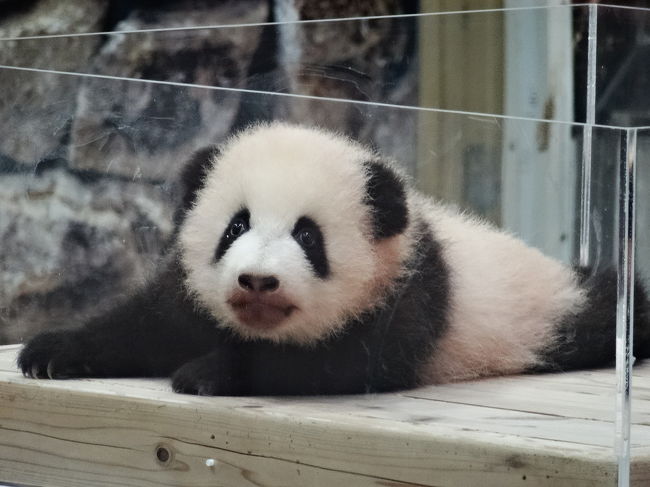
{"points": [[303, 263]]}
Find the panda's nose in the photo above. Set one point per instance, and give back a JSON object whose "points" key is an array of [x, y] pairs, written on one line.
{"points": [[260, 284]]}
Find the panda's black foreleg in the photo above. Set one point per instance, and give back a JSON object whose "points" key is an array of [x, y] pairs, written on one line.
{"points": [[110, 349], [220, 374], [350, 363], [262, 368], [152, 334], [587, 338], [151, 349]]}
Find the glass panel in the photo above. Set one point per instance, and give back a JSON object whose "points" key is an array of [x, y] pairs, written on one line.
{"points": [[375, 59], [642, 268], [442, 48], [643, 203], [93, 174], [623, 54]]}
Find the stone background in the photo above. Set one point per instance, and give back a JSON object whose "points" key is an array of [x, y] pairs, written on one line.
{"points": [[88, 165]]}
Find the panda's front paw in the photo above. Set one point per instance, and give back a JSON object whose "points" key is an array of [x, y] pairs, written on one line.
{"points": [[203, 377], [60, 354]]}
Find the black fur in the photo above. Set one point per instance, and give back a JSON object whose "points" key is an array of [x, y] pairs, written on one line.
{"points": [[152, 334], [242, 217], [161, 331], [315, 252], [587, 338], [386, 195], [192, 179]]}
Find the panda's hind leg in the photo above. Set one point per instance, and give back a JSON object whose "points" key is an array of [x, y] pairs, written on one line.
{"points": [[586, 338]]}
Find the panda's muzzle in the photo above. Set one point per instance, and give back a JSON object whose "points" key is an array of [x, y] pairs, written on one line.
{"points": [[259, 303]]}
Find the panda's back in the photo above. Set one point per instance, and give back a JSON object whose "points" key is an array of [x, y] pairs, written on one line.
{"points": [[507, 299]]}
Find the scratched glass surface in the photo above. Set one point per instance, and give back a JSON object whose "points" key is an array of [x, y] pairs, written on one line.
{"points": [[400, 45]]}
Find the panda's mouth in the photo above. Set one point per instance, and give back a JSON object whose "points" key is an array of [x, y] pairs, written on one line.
{"points": [[258, 310]]}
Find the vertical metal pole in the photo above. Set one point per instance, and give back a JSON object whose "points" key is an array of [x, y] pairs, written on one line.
{"points": [[625, 303], [590, 120]]}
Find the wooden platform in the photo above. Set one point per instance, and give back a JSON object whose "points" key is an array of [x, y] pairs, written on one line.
{"points": [[547, 430]]}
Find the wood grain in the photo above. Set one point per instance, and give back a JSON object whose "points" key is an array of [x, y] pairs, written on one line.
{"points": [[549, 430]]}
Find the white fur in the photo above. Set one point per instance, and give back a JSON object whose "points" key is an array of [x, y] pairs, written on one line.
{"points": [[506, 298], [506, 301], [281, 173]]}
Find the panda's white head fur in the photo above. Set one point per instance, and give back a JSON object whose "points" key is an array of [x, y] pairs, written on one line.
{"points": [[293, 232]]}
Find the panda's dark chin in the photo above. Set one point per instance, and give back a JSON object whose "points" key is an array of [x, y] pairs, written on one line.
{"points": [[260, 312]]}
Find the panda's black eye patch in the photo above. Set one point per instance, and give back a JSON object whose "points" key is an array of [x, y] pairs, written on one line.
{"points": [[306, 238], [237, 227], [310, 238], [239, 224]]}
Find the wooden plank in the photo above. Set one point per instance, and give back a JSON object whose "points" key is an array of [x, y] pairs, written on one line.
{"points": [[588, 397], [105, 432]]}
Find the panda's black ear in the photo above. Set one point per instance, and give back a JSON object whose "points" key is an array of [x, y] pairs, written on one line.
{"points": [[192, 178], [386, 195]]}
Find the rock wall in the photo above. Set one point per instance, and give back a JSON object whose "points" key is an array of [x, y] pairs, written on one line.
{"points": [[71, 248], [142, 129], [88, 167], [43, 107]]}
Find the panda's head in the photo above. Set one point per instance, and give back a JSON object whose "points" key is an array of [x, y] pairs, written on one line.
{"points": [[292, 232]]}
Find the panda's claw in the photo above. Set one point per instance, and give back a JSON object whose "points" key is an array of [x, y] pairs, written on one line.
{"points": [[200, 377], [55, 355]]}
